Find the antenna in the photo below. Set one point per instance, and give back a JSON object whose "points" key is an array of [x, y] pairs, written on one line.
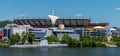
{"points": [[53, 12], [8, 16]]}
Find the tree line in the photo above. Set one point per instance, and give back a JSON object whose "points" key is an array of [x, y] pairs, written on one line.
{"points": [[66, 39], [3, 23], [84, 41], [26, 37]]}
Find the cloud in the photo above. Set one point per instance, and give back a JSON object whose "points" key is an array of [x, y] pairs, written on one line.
{"points": [[79, 14], [22, 15], [117, 8]]}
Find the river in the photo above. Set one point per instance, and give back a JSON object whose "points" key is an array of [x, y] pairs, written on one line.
{"points": [[59, 51]]}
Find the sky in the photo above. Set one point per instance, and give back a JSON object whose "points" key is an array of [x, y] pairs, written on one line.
{"points": [[96, 10]]}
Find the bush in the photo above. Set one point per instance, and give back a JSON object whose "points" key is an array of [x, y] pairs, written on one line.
{"points": [[99, 44], [118, 44], [66, 39], [52, 38], [93, 41], [30, 38], [74, 43], [116, 39], [24, 39], [15, 38], [4, 45]]}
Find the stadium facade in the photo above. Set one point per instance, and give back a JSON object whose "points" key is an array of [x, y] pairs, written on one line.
{"points": [[42, 28], [75, 28]]}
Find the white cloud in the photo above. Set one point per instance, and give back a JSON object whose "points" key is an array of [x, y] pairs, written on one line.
{"points": [[79, 14], [22, 15], [117, 8]]}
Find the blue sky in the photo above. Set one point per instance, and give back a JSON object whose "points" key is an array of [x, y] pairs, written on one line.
{"points": [[98, 10]]}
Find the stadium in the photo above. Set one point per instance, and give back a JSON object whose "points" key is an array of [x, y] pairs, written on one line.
{"points": [[75, 27]]}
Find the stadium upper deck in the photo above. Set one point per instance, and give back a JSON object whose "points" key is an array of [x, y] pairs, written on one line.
{"points": [[47, 22], [44, 23]]}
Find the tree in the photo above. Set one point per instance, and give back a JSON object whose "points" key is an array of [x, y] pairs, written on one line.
{"points": [[27, 36], [18, 37], [66, 39], [30, 38], [74, 43], [3, 23], [52, 38], [15, 38], [24, 37], [12, 39], [93, 41]]}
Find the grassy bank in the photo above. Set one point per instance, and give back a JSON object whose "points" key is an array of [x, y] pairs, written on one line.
{"points": [[4, 45]]}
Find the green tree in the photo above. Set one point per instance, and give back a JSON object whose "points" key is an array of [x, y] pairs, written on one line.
{"points": [[3, 23], [18, 37], [12, 39], [74, 43], [30, 38], [66, 39], [52, 38], [24, 37], [15, 38], [118, 44], [93, 41], [116, 41]]}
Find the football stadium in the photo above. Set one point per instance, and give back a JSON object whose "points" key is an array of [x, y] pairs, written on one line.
{"points": [[75, 27]]}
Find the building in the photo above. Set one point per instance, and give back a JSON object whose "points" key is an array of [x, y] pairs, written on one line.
{"points": [[115, 31], [75, 28], [0, 35], [10, 29]]}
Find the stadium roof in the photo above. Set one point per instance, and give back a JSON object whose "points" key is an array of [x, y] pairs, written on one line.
{"points": [[99, 24], [47, 22]]}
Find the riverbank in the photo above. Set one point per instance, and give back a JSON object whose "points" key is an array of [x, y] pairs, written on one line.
{"points": [[4, 45], [35, 46], [83, 42]]}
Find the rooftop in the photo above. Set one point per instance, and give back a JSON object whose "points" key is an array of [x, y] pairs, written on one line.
{"points": [[47, 22]]}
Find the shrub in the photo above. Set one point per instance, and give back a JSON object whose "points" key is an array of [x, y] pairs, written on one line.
{"points": [[30, 38], [52, 38], [66, 39], [4, 45], [74, 43], [15, 38]]}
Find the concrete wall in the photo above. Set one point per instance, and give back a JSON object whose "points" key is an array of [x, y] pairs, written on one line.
{"points": [[15, 30]]}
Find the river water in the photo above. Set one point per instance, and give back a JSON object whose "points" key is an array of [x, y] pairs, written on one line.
{"points": [[59, 51]]}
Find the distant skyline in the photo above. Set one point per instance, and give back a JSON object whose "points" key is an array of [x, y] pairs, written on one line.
{"points": [[98, 10]]}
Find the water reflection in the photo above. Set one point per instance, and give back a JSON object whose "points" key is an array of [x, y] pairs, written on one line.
{"points": [[59, 51]]}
